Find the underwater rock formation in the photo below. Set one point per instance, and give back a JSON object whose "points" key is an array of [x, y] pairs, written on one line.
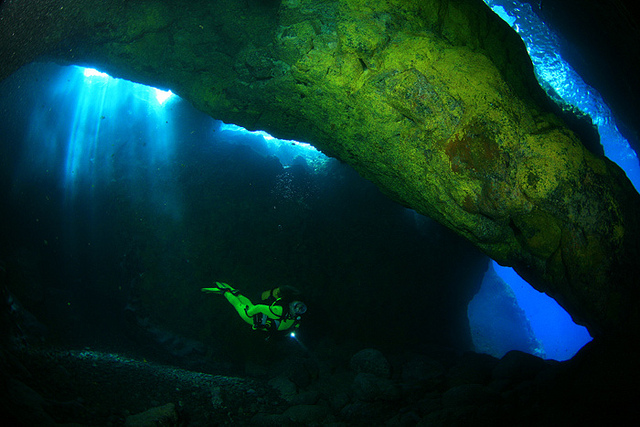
{"points": [[498, 324], [86, 387], [434, 101]]}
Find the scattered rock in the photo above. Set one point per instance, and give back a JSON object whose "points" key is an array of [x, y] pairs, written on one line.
{"points": [[432, 402], [306, 398], [216, 398], [339, 400], [371, 361], [301, 371], [357, 412], [269, 420], [403, 419], [369, 388], [161, 416], [285, 387], [307, 414], [470, 395], [422, 369]]}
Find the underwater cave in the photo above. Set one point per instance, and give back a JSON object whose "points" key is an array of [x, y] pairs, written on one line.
{"points": [[423, 149]]}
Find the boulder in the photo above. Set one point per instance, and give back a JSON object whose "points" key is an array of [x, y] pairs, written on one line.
{"points": [[307, 414], [422, 369], [517, 366], [472, 368], [269, 420], [371, 361], [160, 416], [369, 388], [284, 386], [470, 395]]}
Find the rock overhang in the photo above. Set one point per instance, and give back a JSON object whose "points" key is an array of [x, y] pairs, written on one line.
{"points": [[433, 101]]}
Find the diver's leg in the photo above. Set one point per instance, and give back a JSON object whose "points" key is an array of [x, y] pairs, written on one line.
{"points": [[241, 304]]}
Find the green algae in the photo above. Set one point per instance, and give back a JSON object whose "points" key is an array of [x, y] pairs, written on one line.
{"points": [[433, 101]]}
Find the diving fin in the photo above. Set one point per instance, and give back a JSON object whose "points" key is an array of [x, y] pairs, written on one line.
{"points": [[212, 290]]}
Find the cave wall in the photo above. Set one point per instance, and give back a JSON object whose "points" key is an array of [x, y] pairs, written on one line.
{"points": [[433, 101]]}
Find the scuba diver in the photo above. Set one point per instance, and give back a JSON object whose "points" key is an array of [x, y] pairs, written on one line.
{"points": [[284, 313]]}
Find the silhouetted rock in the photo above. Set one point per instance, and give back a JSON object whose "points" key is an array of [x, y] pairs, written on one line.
{"points": [[472, 368], [517, 366]]}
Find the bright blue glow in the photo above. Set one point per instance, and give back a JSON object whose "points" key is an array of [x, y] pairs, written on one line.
{"points": [[162, 96], [555, 74], [93, 130], [92, 76], [92, 72], [502, 13], [286, 150], [551, 324]]}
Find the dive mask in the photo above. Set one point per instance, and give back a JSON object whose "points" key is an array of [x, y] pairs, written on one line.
{"points": [[297, 308]]}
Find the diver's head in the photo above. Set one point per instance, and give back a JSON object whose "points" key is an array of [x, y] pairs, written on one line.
{"points": [[297, 308]]}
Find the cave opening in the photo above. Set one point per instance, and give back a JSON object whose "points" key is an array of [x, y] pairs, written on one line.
{"points": [[89, 134], [108, 242], [504, 301]]}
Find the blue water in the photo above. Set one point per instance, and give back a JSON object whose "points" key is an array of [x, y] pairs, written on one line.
{"points": [[560, 337], [551, 324]]}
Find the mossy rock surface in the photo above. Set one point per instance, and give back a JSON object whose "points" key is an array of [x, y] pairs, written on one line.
{"points": [[434, 101]]}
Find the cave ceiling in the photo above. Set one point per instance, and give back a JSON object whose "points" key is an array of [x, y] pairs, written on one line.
{"points": [[434, 101]]}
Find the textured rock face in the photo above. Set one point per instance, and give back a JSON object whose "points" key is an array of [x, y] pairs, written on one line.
{"points": [[432, 100]]}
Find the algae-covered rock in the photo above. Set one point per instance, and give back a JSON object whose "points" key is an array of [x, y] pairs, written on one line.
{"points": [[434, 101]]}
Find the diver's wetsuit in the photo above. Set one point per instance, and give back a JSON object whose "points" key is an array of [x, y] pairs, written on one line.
{"points": [[247, 311]]}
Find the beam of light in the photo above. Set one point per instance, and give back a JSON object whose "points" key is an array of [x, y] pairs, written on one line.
{"points": [[163, 96], [94, 130], [563, 84], [295, 337], [92, 72], [286, 150]]}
